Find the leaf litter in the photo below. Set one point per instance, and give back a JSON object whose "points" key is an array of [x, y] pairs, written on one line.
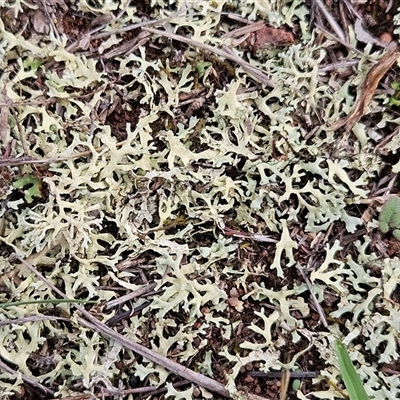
{"points": [[206, 211]]}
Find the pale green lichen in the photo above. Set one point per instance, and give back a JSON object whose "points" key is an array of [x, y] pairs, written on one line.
{"points": [[162, 193]]}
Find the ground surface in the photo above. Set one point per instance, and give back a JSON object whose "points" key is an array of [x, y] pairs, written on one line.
{"points": [[219, 191]]}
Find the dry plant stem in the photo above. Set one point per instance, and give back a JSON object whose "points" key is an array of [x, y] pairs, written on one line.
{"points": [[93, 323], [13, 273], [128, 47], [390, 185], [255, 397], [352, 9], [21, 133], [338, 65], [26, 379], [255, 72], [11, 162], [379, 199], [125, 392], [4, 111], [245, 30], [249, 236], [315, 300], [368, 89], [278, 374], [154, 391], [128, 28], [33, 318], [243, 235], [50, 19], [332, 22], [135, 293], [344, 43], [79, 397], [260, 76], [344, 21], [328, 233], [168, 364], [387, 139], [235, 17], [284, 384]]}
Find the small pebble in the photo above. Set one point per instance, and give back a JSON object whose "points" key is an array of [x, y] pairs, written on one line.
{"points": [[386, 38]]}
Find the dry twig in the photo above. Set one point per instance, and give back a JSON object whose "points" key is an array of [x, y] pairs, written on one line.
{"points": [[244, 235], [75, 46], [368, 89], [32, 318], [26, 379], [135, 293], [315, 300], [278, 374], [285, 379], [331, 20], [91, 322], [255, 72], [11, 162], [344, 43], [172, 366]]}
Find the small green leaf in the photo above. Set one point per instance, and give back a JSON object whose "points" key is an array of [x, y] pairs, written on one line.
{"points": [[350, 377], [389, 217], [32, 63], [296, 384], [202, 66], [34, 189], [394, 100], [396, 234]]}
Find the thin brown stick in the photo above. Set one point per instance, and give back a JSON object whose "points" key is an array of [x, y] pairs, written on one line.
{"points": [[50, 19], [135, 293], [343, 42], [245, 235], [337, 65], [72, 47], [20, 131], [79, 397], [116, 392], [93, 323], [25, 378], [368, 89], [278, 374], [168, 364], [331, 20], [315, 300], [245, 30], [33, 318], [255, 397], [255, 72], [11, 162], [285, 379], [149, 391]]}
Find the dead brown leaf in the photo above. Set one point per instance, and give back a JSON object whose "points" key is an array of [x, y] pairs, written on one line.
{"points": [[4, 123], [368, 89], [269, 36], [40, 22]]}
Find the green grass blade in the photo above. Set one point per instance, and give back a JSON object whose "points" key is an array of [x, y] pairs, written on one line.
{"points": [[350, 377]]}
